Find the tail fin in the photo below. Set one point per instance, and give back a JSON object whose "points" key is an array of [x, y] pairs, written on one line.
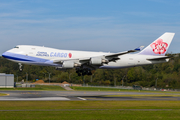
{"points": [[159, 46]]}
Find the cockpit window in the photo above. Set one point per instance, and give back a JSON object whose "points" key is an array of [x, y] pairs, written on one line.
{"points": [[16, 47]]}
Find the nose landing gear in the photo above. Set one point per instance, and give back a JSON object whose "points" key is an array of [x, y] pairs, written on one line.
{"points": [[20, 67]]}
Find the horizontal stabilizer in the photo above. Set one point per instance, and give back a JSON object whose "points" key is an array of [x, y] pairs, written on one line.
{"points": [[159, 58]]}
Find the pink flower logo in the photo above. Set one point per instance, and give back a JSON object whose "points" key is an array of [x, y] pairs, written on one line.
{"points": [[159, 47]]}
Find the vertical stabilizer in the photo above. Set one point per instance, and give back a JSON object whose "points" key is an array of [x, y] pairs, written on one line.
{"points": [[159, 46]]}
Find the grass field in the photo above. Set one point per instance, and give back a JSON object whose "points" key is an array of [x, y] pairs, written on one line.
{"points": [[90, 110], [79, 88], [143, 95], [38, 87]]}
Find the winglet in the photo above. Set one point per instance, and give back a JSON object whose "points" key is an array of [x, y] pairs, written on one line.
{"points": [[139, 48]]}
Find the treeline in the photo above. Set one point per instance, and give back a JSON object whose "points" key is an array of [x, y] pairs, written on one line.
{"points": [[166, 74]]}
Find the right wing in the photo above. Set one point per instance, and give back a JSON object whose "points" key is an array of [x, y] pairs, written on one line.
{"points": [[97, 60]]}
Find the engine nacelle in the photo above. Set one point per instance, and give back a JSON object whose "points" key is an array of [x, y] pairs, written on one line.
{"points": [[68, 64], [96, 61]]}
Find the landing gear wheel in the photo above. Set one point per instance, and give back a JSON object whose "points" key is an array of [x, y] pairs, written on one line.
{"points": [[79, 74], [83, 71], [20, 67]]}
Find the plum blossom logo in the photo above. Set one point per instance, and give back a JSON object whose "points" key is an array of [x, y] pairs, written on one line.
{"points": [[159, 47]]}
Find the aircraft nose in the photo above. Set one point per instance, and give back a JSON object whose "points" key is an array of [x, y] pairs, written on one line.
{"points": [[4, 54]]}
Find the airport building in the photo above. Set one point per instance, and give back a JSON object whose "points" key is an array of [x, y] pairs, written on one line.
{"points": [[6, 80]]}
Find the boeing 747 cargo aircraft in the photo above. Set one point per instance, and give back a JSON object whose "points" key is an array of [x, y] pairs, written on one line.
{"points": [[85, 61]]}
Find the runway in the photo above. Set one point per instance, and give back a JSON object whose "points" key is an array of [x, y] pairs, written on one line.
{"points": [[80, 95]]}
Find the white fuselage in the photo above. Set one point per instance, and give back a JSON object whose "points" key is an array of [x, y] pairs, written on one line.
{"points": [[37, 55]]}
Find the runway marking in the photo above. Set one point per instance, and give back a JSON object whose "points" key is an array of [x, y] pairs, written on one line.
{"points": [[29, 99], [62, 95], [81, 98], [30, 93]]}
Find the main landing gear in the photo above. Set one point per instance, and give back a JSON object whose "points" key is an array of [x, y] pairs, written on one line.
{"points": [[83, 71], [20, 67]]}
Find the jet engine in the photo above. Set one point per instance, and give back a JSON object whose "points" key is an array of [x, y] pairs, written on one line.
{"points": [[98, 61], [68, 64]]}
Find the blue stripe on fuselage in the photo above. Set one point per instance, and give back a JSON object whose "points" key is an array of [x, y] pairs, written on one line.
{"points": [[15, 58], [29, 59], [23, 58]]}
